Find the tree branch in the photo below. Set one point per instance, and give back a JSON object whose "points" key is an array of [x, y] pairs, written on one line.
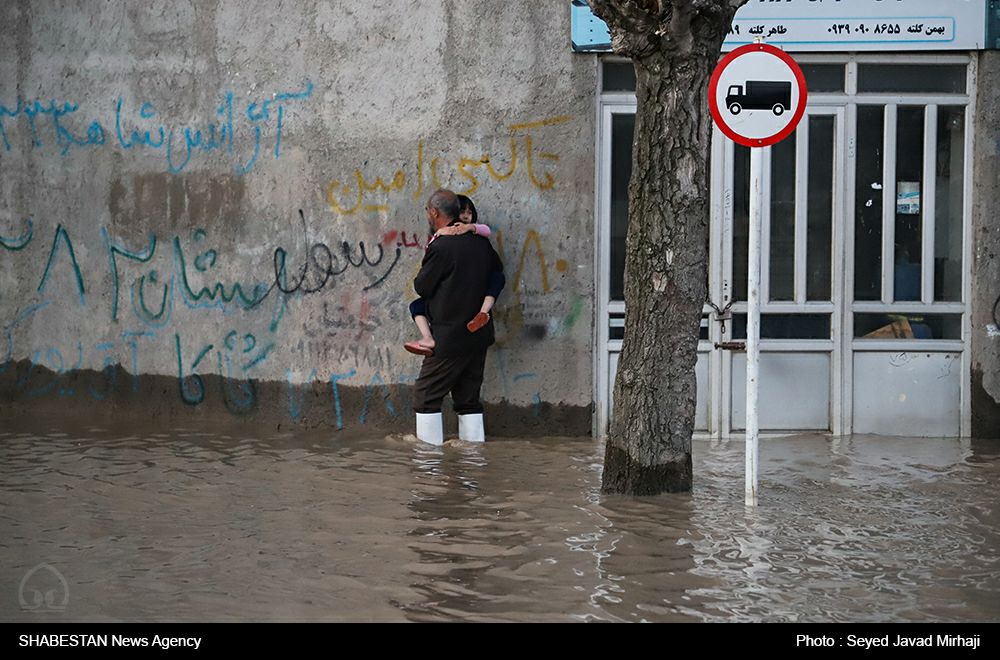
{"points": [[680, 25], [640, 28], [632, 15], [632, 23]]}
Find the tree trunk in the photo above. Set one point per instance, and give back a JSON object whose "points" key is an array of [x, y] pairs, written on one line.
{"points": [[666, 269], [674, 45]]}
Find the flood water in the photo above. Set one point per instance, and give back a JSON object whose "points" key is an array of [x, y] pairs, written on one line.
{"points": [[186, 525]]}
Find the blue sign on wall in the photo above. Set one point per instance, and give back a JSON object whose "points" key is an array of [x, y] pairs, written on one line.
{"points": [[844, 25], [589, 32]]}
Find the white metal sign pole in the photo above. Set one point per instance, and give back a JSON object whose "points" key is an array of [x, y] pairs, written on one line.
{"points": [[753, 322], [757, 96]]}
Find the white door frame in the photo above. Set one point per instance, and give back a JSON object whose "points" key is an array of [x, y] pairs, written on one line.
{"points": [[844, 106], [610, 105], [721, 280]]}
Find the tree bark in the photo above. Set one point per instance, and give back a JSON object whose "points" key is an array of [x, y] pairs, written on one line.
{"points": [[674, 46]]}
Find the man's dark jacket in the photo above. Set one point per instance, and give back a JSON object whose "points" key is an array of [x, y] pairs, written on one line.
{"points": [[453, 280]]}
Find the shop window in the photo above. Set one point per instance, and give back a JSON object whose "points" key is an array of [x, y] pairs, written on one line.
{"points": [[618, 77], [908, 326], [622, 128], [823, 77], [868, 205], [948, 205], [912, 78], [782, 239], [909, 194], [819, 209], [785, 326]]}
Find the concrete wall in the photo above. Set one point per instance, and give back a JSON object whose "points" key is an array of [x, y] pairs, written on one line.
{"points": [[154, 160], [986, 252]]}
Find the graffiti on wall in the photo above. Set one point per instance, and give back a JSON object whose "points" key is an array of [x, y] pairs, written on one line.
{"points": [[145, 296], [323, 263], [370, 192], [148, 285], [236, 131]]}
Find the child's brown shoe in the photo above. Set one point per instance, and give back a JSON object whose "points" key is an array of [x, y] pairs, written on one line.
{"points": [[481, 319]]}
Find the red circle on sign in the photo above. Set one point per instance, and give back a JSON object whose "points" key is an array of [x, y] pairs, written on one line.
{"points": [[713, 86]]}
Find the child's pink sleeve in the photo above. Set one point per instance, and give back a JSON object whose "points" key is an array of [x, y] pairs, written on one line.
{"points": [[483, 230]]}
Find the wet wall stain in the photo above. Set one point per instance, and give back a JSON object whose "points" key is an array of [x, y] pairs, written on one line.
{"points": [[985, 409], [176, 203], [31, 389]]}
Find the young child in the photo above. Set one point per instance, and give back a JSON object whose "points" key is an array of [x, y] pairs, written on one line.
{"points": [[418, 308]]}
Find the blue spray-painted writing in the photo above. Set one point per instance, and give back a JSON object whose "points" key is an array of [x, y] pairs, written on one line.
{"points": [[226, 133]]}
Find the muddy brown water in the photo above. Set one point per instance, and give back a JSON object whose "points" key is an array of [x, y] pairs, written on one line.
{"points": [[102, 524]]}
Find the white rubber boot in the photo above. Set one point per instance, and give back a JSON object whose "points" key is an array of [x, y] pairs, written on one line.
{"points": [[470, 428], [430, 429]]}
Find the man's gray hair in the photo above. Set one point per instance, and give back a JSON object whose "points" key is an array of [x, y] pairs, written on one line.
{"points": [[447, 203]]}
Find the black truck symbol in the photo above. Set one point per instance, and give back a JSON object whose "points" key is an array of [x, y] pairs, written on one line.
{"points": [[772, 95]]}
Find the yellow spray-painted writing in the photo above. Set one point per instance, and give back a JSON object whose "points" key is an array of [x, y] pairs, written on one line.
{"points": [[371, 193]]}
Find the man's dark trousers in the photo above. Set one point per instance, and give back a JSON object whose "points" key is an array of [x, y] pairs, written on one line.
{"points": [[461, 376]]}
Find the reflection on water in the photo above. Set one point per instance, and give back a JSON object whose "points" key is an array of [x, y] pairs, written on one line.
{"points": [[195, 525]]}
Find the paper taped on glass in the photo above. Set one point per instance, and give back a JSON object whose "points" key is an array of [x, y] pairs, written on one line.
{"points": [[908, 197]]}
